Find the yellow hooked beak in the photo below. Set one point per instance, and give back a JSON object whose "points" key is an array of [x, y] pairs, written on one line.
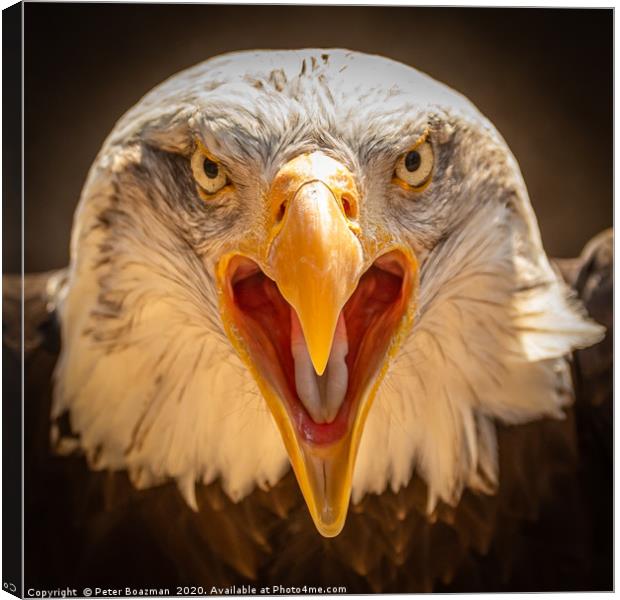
{"points": [[316, 256], [315, 259]]}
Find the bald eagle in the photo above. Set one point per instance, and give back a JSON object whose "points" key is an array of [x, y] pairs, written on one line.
{"points": [[311, 275]]}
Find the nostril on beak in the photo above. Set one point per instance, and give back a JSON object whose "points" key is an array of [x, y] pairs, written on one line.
{"points": [[349, 206], [281, 211]]}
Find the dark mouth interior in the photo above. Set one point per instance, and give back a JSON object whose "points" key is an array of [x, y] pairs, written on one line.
{"points": [[372, 315]]}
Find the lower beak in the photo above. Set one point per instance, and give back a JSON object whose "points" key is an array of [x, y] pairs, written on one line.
{"points": [[324, 476], [316, 260]]}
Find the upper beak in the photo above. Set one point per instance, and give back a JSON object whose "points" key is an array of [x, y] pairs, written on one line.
{"points": [[316, 259]]}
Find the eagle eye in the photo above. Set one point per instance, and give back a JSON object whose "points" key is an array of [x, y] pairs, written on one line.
{"points": [[415, 168], [210, 168], [208, 173]]}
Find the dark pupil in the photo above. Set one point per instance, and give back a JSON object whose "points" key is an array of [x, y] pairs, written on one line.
{"points": [[412, 161], [211, 169]]}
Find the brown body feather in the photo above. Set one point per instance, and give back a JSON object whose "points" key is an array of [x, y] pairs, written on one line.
{"points": [[547, 528]]}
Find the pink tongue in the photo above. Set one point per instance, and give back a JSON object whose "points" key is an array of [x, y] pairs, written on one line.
{"points": [[321, 395]]}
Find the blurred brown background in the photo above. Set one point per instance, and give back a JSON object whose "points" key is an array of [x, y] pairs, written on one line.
{"points": [[543, 76]]}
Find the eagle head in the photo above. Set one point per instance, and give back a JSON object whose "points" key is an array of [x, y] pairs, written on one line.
{"points": [[314, 258]]}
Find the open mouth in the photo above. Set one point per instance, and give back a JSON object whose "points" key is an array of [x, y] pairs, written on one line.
{"points": [[314, 324], [321, 407]]}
